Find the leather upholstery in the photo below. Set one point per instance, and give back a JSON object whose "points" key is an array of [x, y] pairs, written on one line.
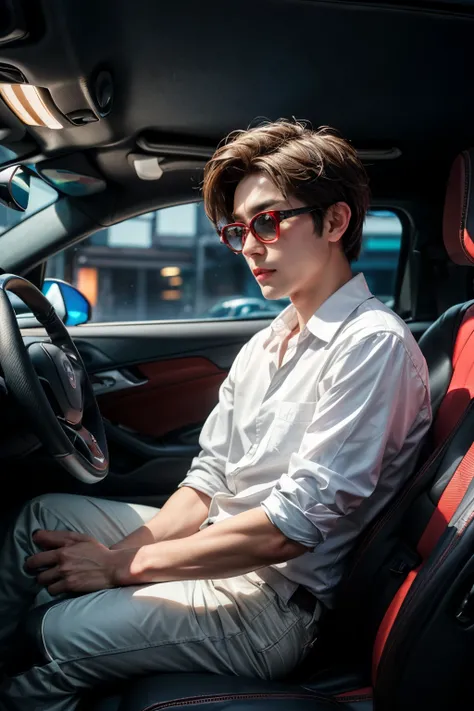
{"points": [[458, 219], [438, 343], [194, 380], [438, 347], [208, 692], [429, 654]]}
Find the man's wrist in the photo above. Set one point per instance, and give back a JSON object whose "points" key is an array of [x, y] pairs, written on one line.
{"points": [[123, 570]]}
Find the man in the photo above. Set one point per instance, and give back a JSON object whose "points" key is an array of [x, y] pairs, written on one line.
{"points": [[318, 424]]}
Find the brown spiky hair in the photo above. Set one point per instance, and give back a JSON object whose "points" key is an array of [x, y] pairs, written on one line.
{"points": [[318, 167]]}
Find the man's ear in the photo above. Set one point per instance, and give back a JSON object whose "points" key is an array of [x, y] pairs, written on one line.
{"points": [[336, 221]]}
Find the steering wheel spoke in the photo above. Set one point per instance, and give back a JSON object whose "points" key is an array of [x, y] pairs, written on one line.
{"points": [[87, 445]]}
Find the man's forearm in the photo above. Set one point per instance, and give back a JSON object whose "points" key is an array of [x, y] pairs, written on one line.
{"points": [[232, 547], [180, 517]]}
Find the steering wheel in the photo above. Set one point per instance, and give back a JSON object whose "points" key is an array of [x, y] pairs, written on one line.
{"points": [[50, 383]]}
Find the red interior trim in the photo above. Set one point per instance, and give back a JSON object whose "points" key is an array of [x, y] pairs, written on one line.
{"points": [[458, 207], [178, 370], [461, 388], [389, 618], [463, 335], [448, 504], [177, 392], [365, 693], [468, 243]]}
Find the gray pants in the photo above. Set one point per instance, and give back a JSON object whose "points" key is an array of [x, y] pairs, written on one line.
{"points": [[234, 626]]}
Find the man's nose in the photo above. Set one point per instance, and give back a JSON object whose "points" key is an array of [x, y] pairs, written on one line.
{"points": [[252, 245]]}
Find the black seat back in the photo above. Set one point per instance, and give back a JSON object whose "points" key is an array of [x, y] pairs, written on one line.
{"points": [[390, 561]]}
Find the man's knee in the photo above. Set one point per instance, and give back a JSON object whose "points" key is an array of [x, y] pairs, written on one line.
{"points": [[42, 512]]}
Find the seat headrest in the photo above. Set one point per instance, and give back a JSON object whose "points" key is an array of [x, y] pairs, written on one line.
{"points": [[458, 218]]}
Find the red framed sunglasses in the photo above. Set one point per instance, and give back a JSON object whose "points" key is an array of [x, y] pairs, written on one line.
{"points": [[265, 226]]}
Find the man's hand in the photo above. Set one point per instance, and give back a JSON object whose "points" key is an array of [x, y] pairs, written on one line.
{"points": [[76, 563]]}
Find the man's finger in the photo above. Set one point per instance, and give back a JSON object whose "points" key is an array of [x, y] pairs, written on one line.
{"points": [[47, 577], [58, 588], [57, 539], [45, 559]]}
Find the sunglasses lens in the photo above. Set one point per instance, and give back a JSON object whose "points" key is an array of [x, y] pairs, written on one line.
{"points": [[234, 236], [265, 226]]}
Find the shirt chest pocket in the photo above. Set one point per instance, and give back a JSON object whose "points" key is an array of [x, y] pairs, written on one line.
{"points": [[289, 425]]}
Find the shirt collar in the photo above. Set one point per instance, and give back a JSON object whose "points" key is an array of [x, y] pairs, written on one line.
{"points": [[330, 316], [284, 323]]}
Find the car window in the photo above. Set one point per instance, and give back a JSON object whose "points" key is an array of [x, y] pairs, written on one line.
{"points": [[378, 260], [169, 264]]}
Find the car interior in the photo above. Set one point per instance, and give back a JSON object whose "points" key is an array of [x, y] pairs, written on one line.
{"points": [[116, 107]]}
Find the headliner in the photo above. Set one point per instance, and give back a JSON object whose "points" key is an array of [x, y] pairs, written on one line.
{"points": [[187, 73]]}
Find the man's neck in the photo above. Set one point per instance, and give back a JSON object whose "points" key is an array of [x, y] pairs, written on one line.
{"points": [[308, 301]]}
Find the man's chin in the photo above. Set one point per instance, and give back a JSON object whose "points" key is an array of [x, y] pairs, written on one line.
{"points": [[272, 292]]}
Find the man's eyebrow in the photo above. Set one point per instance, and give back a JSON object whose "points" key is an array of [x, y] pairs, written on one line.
{"points": [[260, 207]]}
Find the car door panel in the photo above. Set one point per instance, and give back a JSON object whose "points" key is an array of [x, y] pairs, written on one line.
{"points": [[173, 394], [116, 344], [168, 377]]}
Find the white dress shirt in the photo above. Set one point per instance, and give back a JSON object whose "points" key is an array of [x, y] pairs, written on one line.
{"points": [[322, 442]]}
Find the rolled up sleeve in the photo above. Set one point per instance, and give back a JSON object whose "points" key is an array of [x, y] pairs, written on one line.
{"points": [[368, 400]]}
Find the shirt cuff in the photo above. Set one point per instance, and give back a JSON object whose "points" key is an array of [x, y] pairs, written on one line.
{"points": [[201, 483], [290, 519]]}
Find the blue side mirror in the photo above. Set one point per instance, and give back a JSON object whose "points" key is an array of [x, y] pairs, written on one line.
{"points": [[70, 305]]}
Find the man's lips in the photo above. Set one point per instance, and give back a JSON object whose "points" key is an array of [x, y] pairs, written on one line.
{"points": [[259, 271]]}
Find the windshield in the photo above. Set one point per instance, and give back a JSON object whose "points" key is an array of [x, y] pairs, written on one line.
{"points": [[41, 195]]}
